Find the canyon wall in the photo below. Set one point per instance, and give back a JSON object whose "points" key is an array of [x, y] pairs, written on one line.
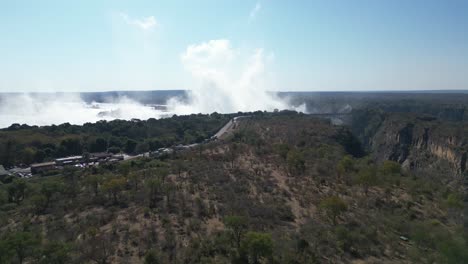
{"points": [[415, 141]]}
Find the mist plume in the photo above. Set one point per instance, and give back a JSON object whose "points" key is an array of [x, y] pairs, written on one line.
{"points": [[223, 83]]}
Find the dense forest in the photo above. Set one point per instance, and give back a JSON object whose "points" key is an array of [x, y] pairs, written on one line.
{"points": [[281, 188], [23, 144]]}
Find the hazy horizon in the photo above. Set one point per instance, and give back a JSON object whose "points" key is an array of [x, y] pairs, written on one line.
{"points": [[227, 57], [279, 91]]}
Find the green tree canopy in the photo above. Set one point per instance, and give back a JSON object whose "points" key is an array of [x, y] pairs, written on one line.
{"points": [[333, 207], [55, 253], [390, 167], [238, 225], [257, 246], [114, 186], [296, 161], [367, 177], [346, 165], [23, 244]]}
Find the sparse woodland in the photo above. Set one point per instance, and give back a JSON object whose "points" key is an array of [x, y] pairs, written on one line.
{"points": [[281, 188]]}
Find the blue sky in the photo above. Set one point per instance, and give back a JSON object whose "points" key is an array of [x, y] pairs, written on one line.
{"points": [[93, 45]]}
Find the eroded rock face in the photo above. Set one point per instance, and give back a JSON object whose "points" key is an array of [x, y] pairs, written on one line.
{"points": [[404, 140], [417, 142]]}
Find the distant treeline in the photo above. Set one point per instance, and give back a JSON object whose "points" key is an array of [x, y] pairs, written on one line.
{"points": [[450, 106]]}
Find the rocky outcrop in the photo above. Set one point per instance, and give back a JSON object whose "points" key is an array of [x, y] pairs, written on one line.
{"points": [[402, 148], [422, 143]]}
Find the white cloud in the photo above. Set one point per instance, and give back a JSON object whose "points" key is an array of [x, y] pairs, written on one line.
{"points": [[145, 23], [254, 11], [208, 59]]}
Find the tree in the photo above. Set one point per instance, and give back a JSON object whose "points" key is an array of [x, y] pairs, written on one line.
{"points": [[238, 225], [6, 253], [114, 186], [124, 168], [346, 165], [455, 206], [155, 144], [161, 173], [99, 145], [9, 153], [93, 182], [70, 146], [179, 166], [16, 191], [152, 257], [169, 190], [367, 177], [200, 148], [296, 162], [333, 207], [154, 191], [455, 201], [40, 155], [142, 147], [201, 208], [28, 155], [23, 244], [39, 203], [69, 173], [257, 246], [115, 142], [130, 146], [98, 247], [233, 152], [282, 150], [134, 178], [391, 171], [49, 188], [56, 253], [391, 167]]}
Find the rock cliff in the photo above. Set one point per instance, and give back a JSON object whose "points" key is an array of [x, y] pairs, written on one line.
{"points": [[419, 142]]}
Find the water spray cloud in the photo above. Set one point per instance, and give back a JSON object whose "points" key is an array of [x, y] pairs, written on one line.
{"points": [[224, 83], [47, 109]]}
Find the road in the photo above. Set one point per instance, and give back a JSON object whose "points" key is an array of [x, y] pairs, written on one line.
{"points": [[229, 125], [226, 128]]}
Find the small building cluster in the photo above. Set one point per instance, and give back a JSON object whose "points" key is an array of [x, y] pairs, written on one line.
{"points": [[42, 167], [104, 157], [19, 172], [79, 161], [167, 151]]}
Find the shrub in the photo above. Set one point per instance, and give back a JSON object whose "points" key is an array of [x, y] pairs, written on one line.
{"points": [[333, 207]]}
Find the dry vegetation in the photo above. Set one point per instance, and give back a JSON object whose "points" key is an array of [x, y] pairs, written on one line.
{"points": [[281, 188]]}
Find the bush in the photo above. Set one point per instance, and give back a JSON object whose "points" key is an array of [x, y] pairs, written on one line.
{"points": [[152, 257], [257, 246], [296, 162], [333, 207], [390, 168], [346, 165]]}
